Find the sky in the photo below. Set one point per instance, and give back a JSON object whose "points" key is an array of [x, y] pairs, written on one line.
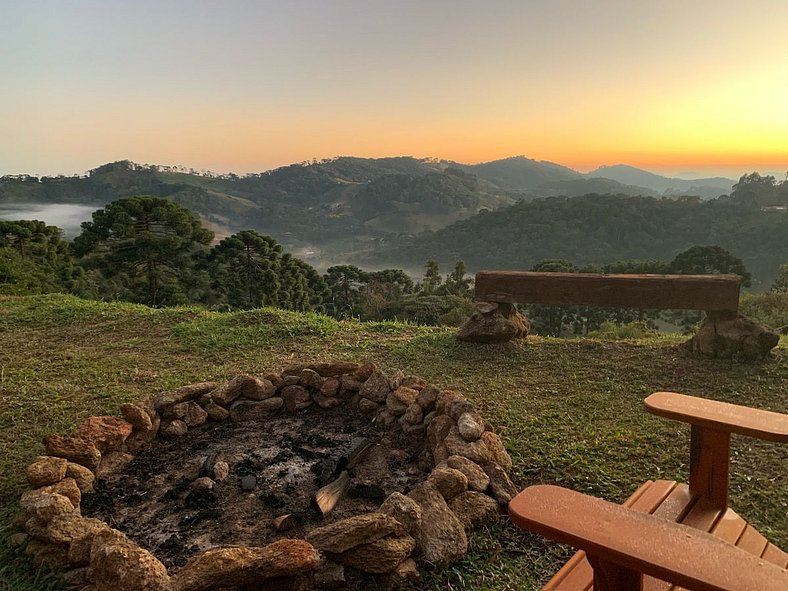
{"points": [[677, 87]]}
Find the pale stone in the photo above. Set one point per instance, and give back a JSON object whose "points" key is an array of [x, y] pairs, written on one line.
{"points": [[137, 416], [258, 389], [380, 556], [498, 452], [441, 539], [46, 470], [183, 394], [342, 535], [173, 428], [475, 509], [427, 397], [221, 470], [477, 479], [501, 485], [309, 378], [82, 476], [475, 450], [376, 388], [405, 510], [219, 568], [118, 564], [75, 449], [448, 481], [470, 425]]}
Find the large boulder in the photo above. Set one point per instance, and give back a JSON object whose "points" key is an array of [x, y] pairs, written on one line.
{"points": [[441, 539], [727, 335], [219, 568], [494, 323], [118, 564]]}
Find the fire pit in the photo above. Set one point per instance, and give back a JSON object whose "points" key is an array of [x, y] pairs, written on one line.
{"points": [[296, 480]]}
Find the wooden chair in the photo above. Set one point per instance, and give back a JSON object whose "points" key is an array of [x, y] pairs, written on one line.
{"points": [[666, 535]]}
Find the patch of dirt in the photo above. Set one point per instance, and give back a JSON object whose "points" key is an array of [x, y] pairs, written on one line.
{"points": [[291, 456]]}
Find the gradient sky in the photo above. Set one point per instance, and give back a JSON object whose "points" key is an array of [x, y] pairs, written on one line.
{"points": [[669, 85]]}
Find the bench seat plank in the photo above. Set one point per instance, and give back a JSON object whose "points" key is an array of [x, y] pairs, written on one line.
{"points": [[721, 416], [688, 292], [638, 542], [776, 556], [577, 574]]}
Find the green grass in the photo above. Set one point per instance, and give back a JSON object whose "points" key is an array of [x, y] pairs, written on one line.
{"points": [[570, 411]]}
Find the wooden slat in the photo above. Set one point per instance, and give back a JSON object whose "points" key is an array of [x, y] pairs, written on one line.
{"points": [[640, 542], [692, 292], [729, 527], [703, 516], [752, 541], [577, 574], [709, 462], [677, 504], [776, 556], [722, 416]]}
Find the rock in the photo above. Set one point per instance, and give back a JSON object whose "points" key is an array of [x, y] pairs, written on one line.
{"points": [[66, 527], [330, 387], [498, 325], [75, 579], [231, 390], [182, 394], [195, 415], [470, 425], [46, 470], [427, 397], [330, 575], [340, 536], [438, 430], [139, 439], [458, 407], [413, 414], [249, 410], [477, 479], [113, 463], [219, 568], [82, 541], [52, 556], [349, 385], [474, 509], [448, 481], [82, 476], [18, 539], [216, 412], [385, 418], [366, 406], [445, 400], [409, 429], [45, 506], [380, 556], [394, 406], [174, 411], [440, 454], [289, 381], [396, 381], [173, 428], [364, 371], [376, 388], [428, 417], [274, 378], [334, 369], [406, 396], [406, 571], [106, 433], [413, 382], [441, 539], [137, 416], [309, 378], [248, 483], [498, 452], [75, 449], [405, 510], [296, 398], [221, 470], [501, 485], [118, 564], [258, 389], [203, 483], [727, 335], [476, 451], [326, 401]]}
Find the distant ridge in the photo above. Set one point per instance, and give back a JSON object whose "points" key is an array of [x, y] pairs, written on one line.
{"points": [[708, 188]]}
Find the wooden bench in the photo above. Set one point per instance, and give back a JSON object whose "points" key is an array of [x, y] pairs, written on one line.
{"points": [[666, 535], [711, 293]]}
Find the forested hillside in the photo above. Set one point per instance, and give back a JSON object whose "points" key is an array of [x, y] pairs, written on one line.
{"points": [[598, 229]]}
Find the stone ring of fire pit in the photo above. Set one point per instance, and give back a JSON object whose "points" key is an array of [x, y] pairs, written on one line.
{"points": [[459, 480]]}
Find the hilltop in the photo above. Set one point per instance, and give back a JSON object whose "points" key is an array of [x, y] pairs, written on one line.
{"points": [[570, 412]]}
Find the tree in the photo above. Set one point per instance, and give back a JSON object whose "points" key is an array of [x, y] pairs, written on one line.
{"points": [[146, 245], [246, 270], [432, 277], [781, 281], [344, 283], [703, 260], [456, 281]]}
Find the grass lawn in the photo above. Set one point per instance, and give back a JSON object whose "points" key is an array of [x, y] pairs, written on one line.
{"points": [[569, 411]]}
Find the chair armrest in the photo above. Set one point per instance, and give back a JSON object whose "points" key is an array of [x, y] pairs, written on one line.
{"points": [[639, 542], [721, 416]]}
